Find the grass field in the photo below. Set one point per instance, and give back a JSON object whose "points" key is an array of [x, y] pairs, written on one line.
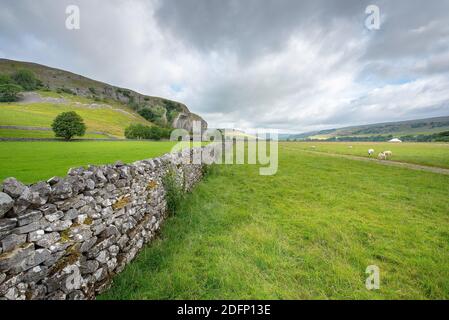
{"points": [[39, 134], [111, 119], [430, 154], [34, 161], [309, 232]]}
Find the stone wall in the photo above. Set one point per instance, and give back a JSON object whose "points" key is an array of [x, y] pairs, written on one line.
{"points": [[67, 237]]}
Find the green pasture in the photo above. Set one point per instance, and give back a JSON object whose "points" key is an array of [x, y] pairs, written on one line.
{"points": [[36, 160], [308, 232], [430, 154]]}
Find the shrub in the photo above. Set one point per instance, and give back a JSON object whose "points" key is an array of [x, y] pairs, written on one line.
{"points": [[174, 194], [68, 124], [136, 131], [147, 114], [171, 116], [9, 92], [66, 90], [165, 133], [5, 79], [26, 79], [140, 131], [92, 90]]}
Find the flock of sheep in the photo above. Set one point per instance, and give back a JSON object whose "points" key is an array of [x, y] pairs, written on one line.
{"points": [[381, 156]]}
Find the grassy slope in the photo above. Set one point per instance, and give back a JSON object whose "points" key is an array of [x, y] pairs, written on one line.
{"points": [[308, 232], [112, 120], [431, 154], [38, 134], [33, 161]]}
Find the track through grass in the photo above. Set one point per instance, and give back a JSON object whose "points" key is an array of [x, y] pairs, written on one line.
{"points": [[429, 154]]}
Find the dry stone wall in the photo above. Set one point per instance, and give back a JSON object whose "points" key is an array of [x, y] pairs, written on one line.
{"points": [[67, 237]]}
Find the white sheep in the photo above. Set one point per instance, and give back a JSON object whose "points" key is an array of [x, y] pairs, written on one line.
{"points": [[381, 156], [370, 152], [388, 154]]}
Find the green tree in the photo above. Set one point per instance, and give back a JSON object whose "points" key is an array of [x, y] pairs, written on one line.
{"points": [[140, 131], [68, 124], [147, 114], [9, 92], [155, 133], [26, 79], [137, 131]]}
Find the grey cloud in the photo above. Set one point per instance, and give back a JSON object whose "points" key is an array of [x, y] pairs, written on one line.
{"points": [[250, 27], [287, 64]]}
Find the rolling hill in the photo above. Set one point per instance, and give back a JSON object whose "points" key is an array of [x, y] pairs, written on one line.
{"points": [[410, 128], [106, 109]]}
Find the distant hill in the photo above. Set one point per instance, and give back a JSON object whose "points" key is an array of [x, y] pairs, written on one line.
{"points": [[379, 131], [160, 111]]}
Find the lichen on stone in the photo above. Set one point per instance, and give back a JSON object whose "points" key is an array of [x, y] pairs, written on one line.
{"points": [[151, 185], [121, 202], [70, 259], [88, 221]]}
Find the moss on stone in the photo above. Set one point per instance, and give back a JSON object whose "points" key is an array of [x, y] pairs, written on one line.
{"points": [[151, 185], [88, 221], [70, 259], [121, 202], [64, 236]]}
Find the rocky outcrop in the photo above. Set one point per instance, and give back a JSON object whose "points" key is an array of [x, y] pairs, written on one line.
{"points": [[67, 237], [185, 121]]}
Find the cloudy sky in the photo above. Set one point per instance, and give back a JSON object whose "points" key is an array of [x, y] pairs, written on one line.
{"points": [[286, 64]]}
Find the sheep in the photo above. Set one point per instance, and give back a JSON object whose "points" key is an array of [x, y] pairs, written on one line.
{"points": [[370, 152], [381, 156], [388, 154]]}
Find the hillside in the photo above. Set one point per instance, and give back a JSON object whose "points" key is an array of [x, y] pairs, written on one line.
{"points": [[160, 111], [406, 129], [33, 115]]}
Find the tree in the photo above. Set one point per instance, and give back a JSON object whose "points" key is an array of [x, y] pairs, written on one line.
{"points": [[136, 131], [155, 133], [140, 131], [26, 79], [147, 114], [9, 92], [68, 124]]}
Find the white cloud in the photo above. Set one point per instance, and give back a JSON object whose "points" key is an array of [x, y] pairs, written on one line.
{"points": [[287, 65]]}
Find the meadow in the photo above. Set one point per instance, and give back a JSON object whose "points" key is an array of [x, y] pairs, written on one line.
{"points": [[40, 160], [308, 232], [430, 154]]}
